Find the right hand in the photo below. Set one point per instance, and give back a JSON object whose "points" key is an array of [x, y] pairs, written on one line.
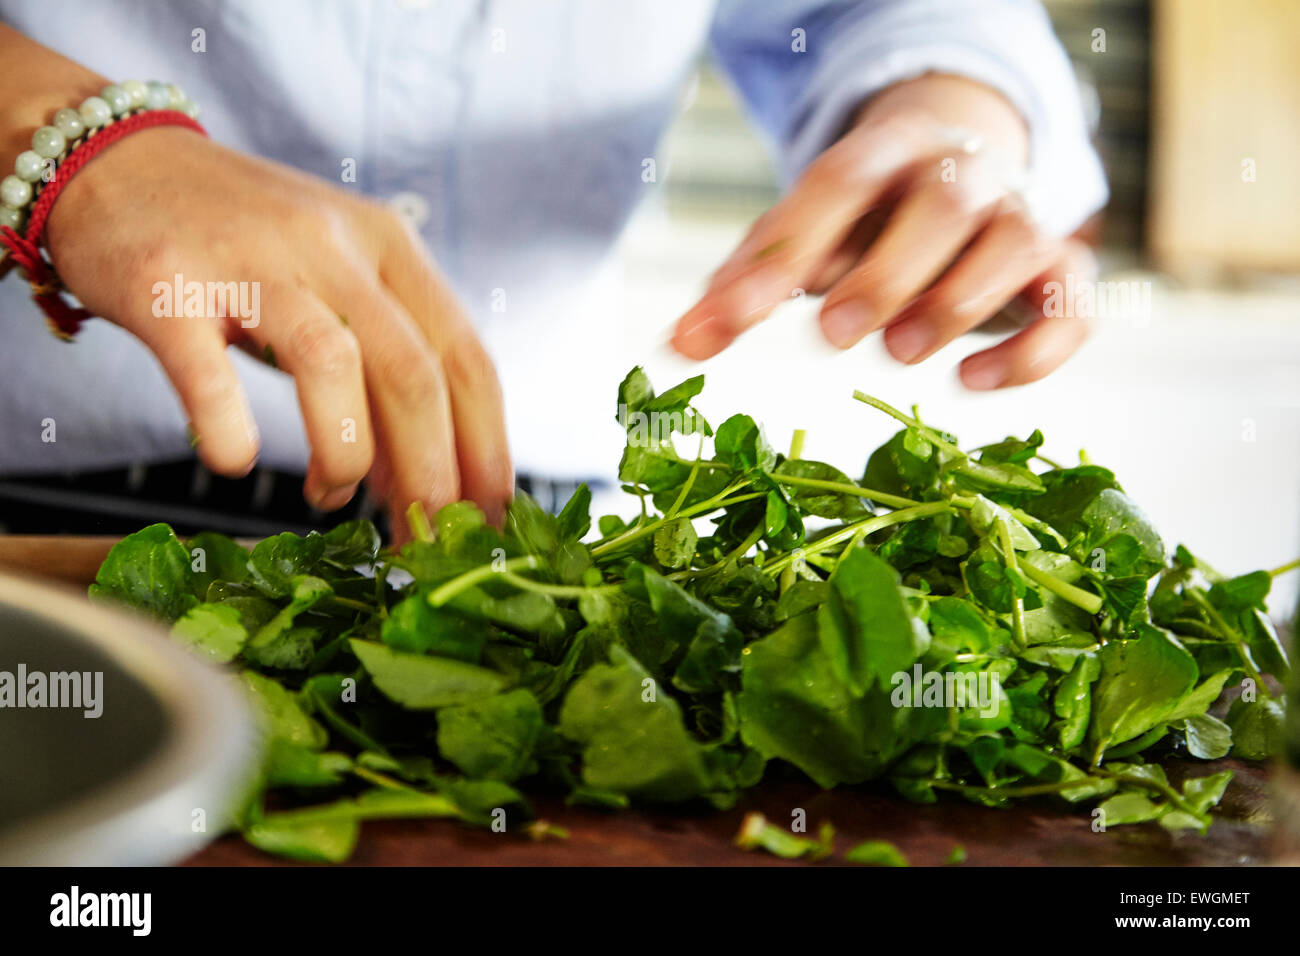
{"points": [[404, 365]]}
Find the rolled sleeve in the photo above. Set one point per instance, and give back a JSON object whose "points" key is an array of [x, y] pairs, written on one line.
{"points": [[852, 50]]}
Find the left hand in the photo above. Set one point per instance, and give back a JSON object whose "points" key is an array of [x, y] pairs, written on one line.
{"points": [[906, 227]]}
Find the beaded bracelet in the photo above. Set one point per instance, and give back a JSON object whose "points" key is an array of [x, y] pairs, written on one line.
{"points": [[58, 152]]}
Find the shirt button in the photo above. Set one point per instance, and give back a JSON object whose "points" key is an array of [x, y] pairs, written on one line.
{"points": [[412, 207]]}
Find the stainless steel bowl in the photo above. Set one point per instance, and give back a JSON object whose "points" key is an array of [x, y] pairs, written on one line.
{"points": [[148, 781]]}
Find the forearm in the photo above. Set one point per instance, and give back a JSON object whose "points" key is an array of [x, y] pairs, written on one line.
{"points": [[35, 82]]}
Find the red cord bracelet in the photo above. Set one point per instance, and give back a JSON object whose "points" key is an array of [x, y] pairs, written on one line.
{"points": [[25, 251]]}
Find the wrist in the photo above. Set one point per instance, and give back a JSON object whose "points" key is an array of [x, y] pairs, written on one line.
{"points": [[35, 83], [956, 102]]}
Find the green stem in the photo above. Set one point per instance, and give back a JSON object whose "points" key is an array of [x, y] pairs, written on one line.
{"points": [[1168, 792], [844, 488], [1068, 592], [739, 551], [930, 434], [1289, 566], [1033, 790], [1017, 604], [796, 444], [355, 605], [382, 780], [687, 484], [1229, 632], [419, 522], [463, 582], [866, 526], [720, 500], [554, 590]]}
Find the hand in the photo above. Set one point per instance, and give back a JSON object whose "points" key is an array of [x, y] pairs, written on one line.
{"points": [[391, 379], [905, 227]]}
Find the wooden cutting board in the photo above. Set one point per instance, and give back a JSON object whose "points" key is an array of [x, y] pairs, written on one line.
{"points": [[1039, 833]]}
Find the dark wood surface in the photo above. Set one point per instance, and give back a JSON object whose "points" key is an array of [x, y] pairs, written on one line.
{"points": [[1039, 833]]}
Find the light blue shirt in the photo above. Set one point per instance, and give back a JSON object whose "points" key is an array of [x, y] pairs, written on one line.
{"points": [[515, 132]]}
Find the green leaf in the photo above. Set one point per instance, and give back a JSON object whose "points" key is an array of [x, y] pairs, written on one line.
{"points": [[275, 562], [1258, 728], [1207, 737], [880, 853], [712, 640], [415, 626], [674, 543], [896, 469], [492, 738], [214, 630], [280, 715], [352, 543], [740, 443], [817, 501], [149, 571], [1142, 680], [215, 557], [293, 765], [574, 520], [632, 736], [864, 627], [794, 706], [419, 682], [757, 833]]}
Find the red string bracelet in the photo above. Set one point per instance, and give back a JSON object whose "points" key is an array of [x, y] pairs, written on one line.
{"points": [[25, 251]]}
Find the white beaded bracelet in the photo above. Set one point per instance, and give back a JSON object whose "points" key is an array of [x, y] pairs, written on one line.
{"points": [[50, 144]]}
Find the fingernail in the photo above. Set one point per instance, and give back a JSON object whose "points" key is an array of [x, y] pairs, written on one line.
{"points": [[335, 498], [983, 372], [845, 323], [700, 336], [910, 340]]}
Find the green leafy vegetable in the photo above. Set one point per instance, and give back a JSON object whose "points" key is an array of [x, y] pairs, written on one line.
{"points": [[983, 625]]}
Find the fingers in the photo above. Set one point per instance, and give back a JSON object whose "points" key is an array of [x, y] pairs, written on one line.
{"points": [[1041, 348], [193, 354], [311, 343], [408, 394], [1005, 256], [477, 406], [930, 227], [790, 242]]}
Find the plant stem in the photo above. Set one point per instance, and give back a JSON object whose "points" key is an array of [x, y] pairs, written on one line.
{"points": [[463, 582], [1289, 566], [554, 590], [1077, 596], [844, 488], [419, 522], [866, 526], [720, 500], [796, 444], [1032, 790], [1229, 632], [355, 605], [1017, 603], [930, 434]]}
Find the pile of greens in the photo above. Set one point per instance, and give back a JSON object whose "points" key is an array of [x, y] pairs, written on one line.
{"points": [[761, 612]]}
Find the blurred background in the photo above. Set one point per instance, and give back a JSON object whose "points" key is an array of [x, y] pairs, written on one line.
{"points": [[1193, 401]]}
